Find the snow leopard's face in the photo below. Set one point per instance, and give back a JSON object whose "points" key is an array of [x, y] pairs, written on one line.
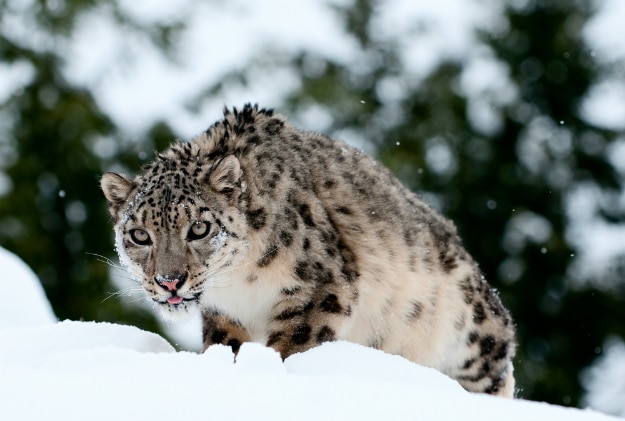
{"points": [[178, 228]]}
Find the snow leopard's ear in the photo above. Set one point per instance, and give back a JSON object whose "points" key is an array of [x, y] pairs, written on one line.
{"points": [[116, 188], [225, 177]]}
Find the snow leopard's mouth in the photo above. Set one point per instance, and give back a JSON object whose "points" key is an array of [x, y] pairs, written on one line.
{"points": [[175, 300]]}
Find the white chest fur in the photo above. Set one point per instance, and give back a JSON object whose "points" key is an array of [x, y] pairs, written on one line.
{"points": [[248, 302]]}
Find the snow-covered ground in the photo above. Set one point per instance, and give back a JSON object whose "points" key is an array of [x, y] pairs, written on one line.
{"points": [[99, 371]]}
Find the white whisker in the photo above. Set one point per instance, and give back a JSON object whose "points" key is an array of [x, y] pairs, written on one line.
{"points": [[125, 292]]}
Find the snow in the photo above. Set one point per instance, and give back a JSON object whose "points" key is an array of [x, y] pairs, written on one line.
{"points": [[604, 35], [428, 32], [100, 371], [604, 32], [598, 244], [220, 37], [603, 381], [219, 240], [223, 37], [226, 36], [604, 104], [32, 308]]}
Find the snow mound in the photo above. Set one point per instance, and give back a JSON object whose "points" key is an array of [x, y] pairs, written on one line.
{"points": [[34, 345], [102, 371], [338, 360], [33, 307]]}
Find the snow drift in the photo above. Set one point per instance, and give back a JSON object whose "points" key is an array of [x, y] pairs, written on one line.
{"points": [[100, 371]]}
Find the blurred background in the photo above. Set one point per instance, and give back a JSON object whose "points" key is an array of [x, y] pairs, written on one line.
{"points": [[507, 115]]}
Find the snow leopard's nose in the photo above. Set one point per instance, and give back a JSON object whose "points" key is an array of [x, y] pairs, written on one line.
{"points": [[171, 282]]}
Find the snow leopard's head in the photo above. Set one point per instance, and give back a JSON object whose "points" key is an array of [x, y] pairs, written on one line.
{"points": [[179, 226]]}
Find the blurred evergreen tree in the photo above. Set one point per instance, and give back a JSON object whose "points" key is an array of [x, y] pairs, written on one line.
{"points": [[501, 162], [54, 143], [543, 152]]}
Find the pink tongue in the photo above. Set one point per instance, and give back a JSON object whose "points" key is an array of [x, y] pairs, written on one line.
{"points": [[174, 300]]}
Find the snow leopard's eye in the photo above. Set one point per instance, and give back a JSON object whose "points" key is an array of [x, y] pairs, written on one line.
{"points": [[140, 237], [198, 231]]}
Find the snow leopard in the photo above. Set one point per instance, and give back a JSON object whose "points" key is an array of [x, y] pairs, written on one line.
{"points": [[291, 239]]}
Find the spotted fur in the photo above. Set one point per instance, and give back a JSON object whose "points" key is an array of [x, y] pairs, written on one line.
{"points": [[292, 239]]}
